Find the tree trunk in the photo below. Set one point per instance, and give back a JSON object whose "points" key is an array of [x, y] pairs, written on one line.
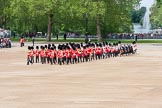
{"points": [[99, 29], [4, 22], [50, 17]]}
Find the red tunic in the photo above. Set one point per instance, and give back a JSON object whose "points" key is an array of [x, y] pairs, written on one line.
{"points": [[101, 50], [73, 54], [79, 52], [60, 54], [89, 50], [37, 52], [55, 53], [84, 53], [52, 55], [22, 40], [97, 50], [48, 53], [29, 53], [42, 53]]}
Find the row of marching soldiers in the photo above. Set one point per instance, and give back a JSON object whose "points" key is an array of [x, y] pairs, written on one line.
{"points": [[72, 53]]}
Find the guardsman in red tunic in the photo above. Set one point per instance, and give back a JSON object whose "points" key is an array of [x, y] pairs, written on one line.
{"points": [[64, 55], [71, 50], [104, 52], [107, 50], [74, 60], [60, 55], [45, 55], [111, 51], [88, 52], [68, 55], [37, 54], [42, 54], [101, 51], [29, 55], [32, 54], [79, 54], [97, 52], [22, 41], [55, 55], [48, 54], [84, 54], [116, 50], [52, 54], [91, 52], [134, 45]]}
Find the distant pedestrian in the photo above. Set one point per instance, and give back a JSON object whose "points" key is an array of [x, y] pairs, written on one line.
{"points": [[14, 34], [57, 36], [65, 35], [86, 39], [29, 56], [135, 38], [33, 40]]}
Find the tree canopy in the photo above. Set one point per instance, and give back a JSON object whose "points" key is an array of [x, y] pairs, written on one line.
{"points": [[156, 15], [95, 16]]}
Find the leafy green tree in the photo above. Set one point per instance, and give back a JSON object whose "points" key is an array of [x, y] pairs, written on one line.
{"points": [[95, 16], [156, 15], [48, 8], [4, 12]]}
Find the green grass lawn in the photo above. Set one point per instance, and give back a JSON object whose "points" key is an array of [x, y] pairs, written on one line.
{"points": [[93, 40]]}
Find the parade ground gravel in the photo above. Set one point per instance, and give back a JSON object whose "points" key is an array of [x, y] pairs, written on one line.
{"points": [[133, 81]]}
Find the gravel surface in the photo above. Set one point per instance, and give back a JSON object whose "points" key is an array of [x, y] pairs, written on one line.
{"points": [[124, 82]]}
